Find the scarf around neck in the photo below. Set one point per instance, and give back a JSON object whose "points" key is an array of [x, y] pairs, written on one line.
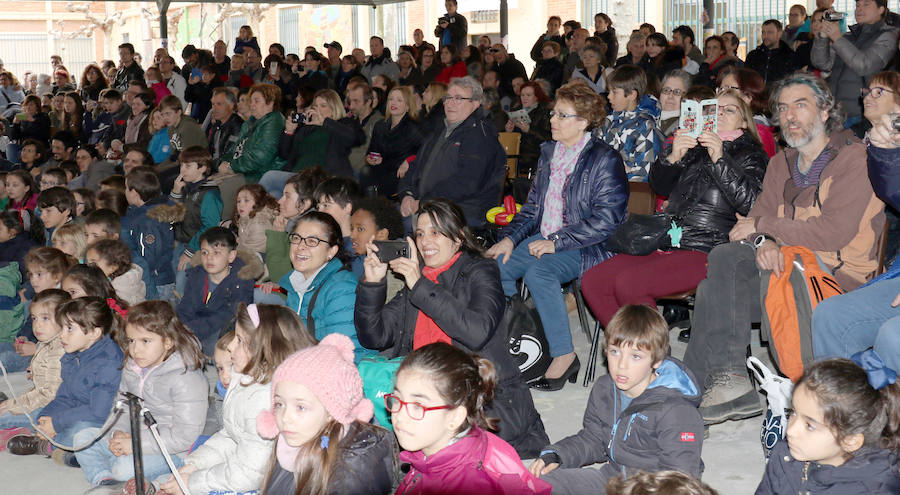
{"points": [[427, 331]]}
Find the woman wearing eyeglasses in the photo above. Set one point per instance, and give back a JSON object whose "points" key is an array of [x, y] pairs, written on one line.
{"points": [[708, 180], [535, 129], [452, 295], [674, 87], [319, 288], [880, 97], [578, 197]]}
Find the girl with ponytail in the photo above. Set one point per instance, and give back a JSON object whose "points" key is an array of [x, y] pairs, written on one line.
{"points": [[438, 413], [843, 436], [319, 418]]}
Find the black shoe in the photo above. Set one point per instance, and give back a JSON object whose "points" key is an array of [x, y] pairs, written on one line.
{"points": [[553, 384], [3, 397], [685, 335], [28, 445]]}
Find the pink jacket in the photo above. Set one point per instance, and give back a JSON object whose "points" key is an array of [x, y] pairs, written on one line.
{"points": [[479, 463]]}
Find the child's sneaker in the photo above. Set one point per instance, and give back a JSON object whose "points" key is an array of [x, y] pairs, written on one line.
{"points": [[65, 458], [28, 445], [7, 433], [131, 487]]}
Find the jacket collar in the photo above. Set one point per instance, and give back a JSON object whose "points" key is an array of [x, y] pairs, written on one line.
{"points": [[463, 452]]}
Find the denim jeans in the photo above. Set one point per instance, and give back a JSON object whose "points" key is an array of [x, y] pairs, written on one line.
{"points": [[180, 275], [10, 420], [727, 303], [99, 463], [846, 324], [11, 360], [543, 278], [66, 437], [273, 182]]}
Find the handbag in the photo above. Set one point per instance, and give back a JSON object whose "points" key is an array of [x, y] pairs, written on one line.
{"points": [[778, 391], [526, 341], [640, 235]]}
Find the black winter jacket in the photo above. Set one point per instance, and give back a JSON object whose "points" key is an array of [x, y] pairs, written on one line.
{"points": [[704, 196], [367, 466], [39, 129], [468, 305], [596, 199], [221, 136], [126, 74], [869, 472], [772, 63], [395, 145], [660, 430], [344, 134], [508, 71], [467, 169], [550, 70]]}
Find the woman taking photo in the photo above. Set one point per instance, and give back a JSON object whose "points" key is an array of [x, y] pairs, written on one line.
{"points": [[256, 149], [708, 180], [452, 295], [451, 64], [394, 139], [559, 233], [536, 128], [324, 139], [317, 258]]}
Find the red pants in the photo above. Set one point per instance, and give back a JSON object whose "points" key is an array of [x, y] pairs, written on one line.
{"points": [[625, 279]]}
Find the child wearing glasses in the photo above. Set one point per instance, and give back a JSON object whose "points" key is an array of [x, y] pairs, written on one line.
{"points": [[319, 419], [642, 415], [437, 411]]}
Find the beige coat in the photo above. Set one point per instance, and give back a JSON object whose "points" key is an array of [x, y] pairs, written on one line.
{"points": [[46, 373]]}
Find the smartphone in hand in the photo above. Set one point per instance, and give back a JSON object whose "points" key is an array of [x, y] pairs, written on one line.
{"points": [[391, 250]]}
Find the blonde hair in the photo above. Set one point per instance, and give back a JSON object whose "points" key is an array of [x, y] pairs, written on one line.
{"points": [[280, 333], [150, 127], [334, 102], [72, 232], [407, 94], [746, 113], [437, 91]]}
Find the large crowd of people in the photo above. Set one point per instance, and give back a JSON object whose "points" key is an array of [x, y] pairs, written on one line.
{"points": [[296, 220]]}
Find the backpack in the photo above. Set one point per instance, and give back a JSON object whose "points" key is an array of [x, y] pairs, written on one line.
{"points": [[526, 340], [788, 305]]}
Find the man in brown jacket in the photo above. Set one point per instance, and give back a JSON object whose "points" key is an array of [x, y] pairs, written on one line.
{"points": [[817, 194]]}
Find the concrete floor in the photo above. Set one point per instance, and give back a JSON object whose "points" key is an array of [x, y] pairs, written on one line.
{"points": [[732, 453]]}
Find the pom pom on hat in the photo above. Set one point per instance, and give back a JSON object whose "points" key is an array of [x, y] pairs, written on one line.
{"points": [[326, 369], [265, 425]]}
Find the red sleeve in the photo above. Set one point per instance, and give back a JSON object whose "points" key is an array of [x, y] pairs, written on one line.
{"points": [[768, 140]]}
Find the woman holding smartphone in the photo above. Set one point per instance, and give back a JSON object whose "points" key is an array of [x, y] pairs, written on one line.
{"points": [[394, 140], [452, 295]]}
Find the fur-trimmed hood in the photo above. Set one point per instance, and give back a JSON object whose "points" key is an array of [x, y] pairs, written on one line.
{"points": [[248, 263], [167, 213]]}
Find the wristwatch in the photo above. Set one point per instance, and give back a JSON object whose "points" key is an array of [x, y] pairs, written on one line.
{"points": [[761, 239]]}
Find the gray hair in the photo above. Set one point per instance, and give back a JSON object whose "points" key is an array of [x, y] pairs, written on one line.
{"points": [[824, 99], [682, 74], [470, 83]]}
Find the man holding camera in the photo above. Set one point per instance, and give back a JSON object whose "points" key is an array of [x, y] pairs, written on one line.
{"points": [[452, 28], [854, 57]]}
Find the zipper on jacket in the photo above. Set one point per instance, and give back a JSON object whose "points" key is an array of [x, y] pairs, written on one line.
{"points": [[804, 476], [612, 437], [628, 429]]}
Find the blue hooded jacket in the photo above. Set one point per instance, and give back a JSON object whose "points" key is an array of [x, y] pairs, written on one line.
{"points": [[90, 379], [151, 241]]}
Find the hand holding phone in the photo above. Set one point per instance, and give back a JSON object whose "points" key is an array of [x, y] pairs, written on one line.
{"points": [[391, 250]]}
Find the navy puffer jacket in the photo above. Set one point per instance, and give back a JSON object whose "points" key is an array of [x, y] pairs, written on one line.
{"points": [[595, 196]]}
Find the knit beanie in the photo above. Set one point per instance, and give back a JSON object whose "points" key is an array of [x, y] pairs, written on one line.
{"points": [[328, 371]]}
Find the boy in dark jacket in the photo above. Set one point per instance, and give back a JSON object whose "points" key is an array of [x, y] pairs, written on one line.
{"points": [[642, 416], [197, 207], [222, 279], [91, 371], [56, 206], [150, 239]]}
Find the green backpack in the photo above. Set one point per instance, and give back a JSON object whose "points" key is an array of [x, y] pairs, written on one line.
{"points": [[378, 374]]}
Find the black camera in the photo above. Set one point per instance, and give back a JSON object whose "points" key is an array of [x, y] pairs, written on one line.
{"points": [[298, 118], [832, 16], [443, 19]]}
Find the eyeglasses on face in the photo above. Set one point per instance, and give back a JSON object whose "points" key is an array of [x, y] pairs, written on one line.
{"points": [[554, 113], [415, 410], [454, 98], [309, 241], [876, 91], [673, 91], [730, 110], [723, 89]]}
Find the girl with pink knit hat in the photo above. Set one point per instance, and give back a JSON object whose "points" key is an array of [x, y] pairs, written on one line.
{"points": [[324, 443]]}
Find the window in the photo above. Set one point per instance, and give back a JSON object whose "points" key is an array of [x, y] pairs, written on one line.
{"points": [[289, 29]]}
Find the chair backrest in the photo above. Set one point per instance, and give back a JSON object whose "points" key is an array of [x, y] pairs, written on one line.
{"points": [[228, 187], [510, 142], [641, 199]]}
